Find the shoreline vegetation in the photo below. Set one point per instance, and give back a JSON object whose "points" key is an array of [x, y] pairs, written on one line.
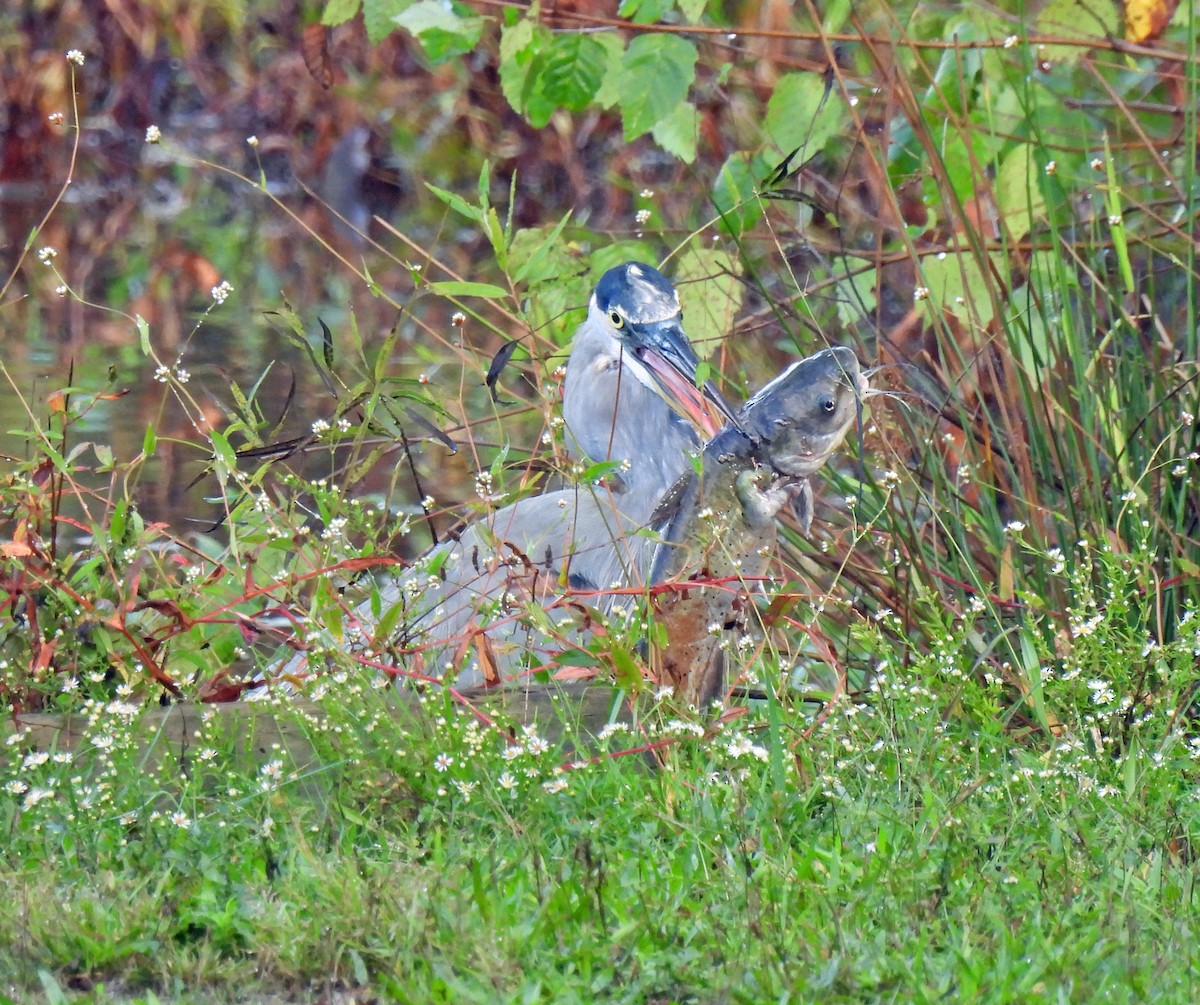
{"points": [[285, 303]]}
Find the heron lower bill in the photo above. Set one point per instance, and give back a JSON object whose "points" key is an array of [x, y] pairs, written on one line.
{"points": [[682, 394], [663, 347]]}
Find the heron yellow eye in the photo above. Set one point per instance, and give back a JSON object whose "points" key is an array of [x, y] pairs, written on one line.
{"points": [[616, 319]]}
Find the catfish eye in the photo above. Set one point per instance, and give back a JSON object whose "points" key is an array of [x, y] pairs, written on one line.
{"points": [[828, 403], [616, 319]]}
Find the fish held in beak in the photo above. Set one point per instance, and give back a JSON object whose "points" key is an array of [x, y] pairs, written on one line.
{"points": [[803, 415]]}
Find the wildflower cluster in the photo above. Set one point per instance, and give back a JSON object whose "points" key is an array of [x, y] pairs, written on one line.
{"points": [[474, 760]]}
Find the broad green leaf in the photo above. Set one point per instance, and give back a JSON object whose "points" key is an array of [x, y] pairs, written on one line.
{"points": [[441, 32], [1076, 19], [678, 132], [644, 11], [837, 13], [611, 255], [855, 296], [337, 11], [426, 15], [440, 45], [535, 249], [692, 10], [380, 17], [609, 94], [516, 54], [1029, 339], [625, 669], [524, 48], [953, 86], [957, 284], [965, 154], [574, 70], [734, 194], [797, 119], [577, 658], [659, 69], [1019, 194], [149, 441], [710, 294], [455, 289]]}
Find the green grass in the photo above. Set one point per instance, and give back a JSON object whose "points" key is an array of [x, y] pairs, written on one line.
{"points": [[1000, 804], [910, 848]]}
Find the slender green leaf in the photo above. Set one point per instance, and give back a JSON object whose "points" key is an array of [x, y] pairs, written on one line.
{"points": [[143, 329], [457, 203], [454, 289]]}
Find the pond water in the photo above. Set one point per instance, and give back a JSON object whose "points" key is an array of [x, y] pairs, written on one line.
{"points": [[148, 230]]}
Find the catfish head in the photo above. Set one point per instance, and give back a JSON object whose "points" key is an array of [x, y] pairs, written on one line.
{"points": [[801, 417]]}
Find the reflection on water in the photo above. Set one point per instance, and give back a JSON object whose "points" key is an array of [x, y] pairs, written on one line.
{"points": [[148, 231], [145, 231]]}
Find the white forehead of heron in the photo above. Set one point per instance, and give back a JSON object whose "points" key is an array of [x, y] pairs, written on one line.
{"points": [[640, 294]]}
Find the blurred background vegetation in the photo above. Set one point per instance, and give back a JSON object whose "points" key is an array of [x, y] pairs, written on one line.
{"points": [[996, 203]]}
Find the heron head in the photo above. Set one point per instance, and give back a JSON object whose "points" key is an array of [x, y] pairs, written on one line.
{"points": [[640, 309]]}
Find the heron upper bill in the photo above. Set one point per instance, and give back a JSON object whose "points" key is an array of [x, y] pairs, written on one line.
{"points": [[663, 347]]}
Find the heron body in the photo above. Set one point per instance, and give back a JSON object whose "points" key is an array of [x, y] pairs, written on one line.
{"points": [[630, 396]]}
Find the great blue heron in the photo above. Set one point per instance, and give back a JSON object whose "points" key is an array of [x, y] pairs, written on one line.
{"points": [[630, 397]]}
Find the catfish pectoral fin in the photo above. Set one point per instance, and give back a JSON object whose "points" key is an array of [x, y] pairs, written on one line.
{"points": [[801, 495], [760, 507]]}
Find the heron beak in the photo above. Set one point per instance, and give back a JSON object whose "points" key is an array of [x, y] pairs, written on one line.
{"points": [[665, 350]]}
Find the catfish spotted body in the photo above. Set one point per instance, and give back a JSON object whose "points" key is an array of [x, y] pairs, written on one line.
{"points": [[721, 523]]}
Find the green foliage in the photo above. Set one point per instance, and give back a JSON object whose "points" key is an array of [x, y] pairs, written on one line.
{"points": [[800, 114], [444, 32], [735, 194], [710, 292], [678, 132], [657, 72], [964, 765], [573, 71]]}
